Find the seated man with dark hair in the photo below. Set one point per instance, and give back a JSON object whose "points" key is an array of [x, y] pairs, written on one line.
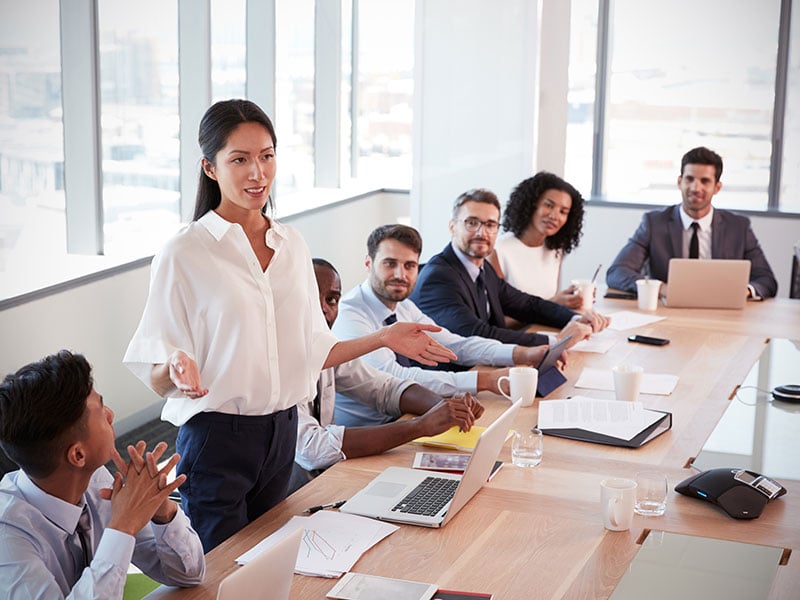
{"points": [[68, 528], [322, 443]]}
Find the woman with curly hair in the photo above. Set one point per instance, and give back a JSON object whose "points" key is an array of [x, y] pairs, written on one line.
{"points": [[543, 221]]}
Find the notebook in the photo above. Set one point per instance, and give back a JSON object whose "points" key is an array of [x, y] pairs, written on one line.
{"points": [[267, 576], [717, 283], [386, 496]]}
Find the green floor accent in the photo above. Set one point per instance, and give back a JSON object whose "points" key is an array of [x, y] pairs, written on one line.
{"points": [[137, 586]]}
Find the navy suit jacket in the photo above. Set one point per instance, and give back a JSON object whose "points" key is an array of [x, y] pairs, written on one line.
{"points": [[660, 238], [445, 292]]}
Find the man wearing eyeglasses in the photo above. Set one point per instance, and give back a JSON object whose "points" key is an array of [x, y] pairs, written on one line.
{"points": [[460, 290]]}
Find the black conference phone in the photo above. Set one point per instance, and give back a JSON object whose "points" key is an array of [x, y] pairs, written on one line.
{"points": [[741, 493]]}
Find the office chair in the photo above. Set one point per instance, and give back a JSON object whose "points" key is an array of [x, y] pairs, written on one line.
{"points": [[794, 284]]}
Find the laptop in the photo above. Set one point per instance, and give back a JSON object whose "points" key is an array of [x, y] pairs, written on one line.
{"points": [[393, 495], [716, 283], [268, 576]]}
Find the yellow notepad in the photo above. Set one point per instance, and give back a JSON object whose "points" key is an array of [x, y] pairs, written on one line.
{"points": [[453, 438]]}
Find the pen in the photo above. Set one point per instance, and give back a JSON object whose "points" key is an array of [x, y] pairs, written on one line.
{"points": [[597, 272], [314, 509]]}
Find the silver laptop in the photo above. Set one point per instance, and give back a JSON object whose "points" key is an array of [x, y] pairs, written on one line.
{"points": [[268, 576], [716, 283], [418, 497]]}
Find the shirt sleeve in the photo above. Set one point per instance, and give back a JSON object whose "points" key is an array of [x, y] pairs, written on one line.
{"points": [[352, 324], [171, 553]]}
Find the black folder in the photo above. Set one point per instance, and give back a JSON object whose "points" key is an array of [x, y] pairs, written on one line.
{"points": [[640, 439]]}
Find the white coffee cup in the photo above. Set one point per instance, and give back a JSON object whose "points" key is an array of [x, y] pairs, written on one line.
{"points": [[647, 293], [584, 288], [627, 381], [522, 382], [617, 497]]}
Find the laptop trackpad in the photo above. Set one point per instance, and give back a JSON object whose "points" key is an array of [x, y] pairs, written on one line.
{"points": [[385, 488]]}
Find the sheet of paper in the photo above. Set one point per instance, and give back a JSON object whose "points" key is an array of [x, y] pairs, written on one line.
{"points": [[660, 384], [628, 319], [599, 343], [332, 541], [621, 420]]}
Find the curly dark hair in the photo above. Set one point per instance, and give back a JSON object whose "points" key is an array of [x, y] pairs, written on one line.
{"points": [[526, 197]]}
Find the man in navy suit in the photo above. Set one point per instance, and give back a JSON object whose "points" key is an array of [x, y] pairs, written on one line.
{"points": [[461, 291], [668, 233]]}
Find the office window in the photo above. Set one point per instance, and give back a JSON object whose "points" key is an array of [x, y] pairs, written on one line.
{"points": [[689, 81], [385, 91], [790, 169], [140, 124], [294, 94], [228, 49], [580, 97], [32, 218]]}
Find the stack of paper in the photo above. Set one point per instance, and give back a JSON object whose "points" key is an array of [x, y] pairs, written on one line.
{"points": [[332, 542], [627, 319], [612, 418]]}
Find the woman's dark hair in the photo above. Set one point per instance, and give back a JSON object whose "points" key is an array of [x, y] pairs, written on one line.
{"points": [[42, 409], [216, 127], [525, 199]]}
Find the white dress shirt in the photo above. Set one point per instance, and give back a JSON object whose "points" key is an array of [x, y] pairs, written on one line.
{"points": [[319, 443], [361, 312], [703, 233], [36, 562], [259, 337]]}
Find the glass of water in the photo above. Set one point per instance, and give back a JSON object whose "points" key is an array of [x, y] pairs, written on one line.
{"points": [[651, 494], [526, 448]]}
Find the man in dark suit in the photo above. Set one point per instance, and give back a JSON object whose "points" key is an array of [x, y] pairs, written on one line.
{"points": [[461, 291], [671, 232]]}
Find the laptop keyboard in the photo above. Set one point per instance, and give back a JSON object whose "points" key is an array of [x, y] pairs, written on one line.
{"points": [[428, 497]]}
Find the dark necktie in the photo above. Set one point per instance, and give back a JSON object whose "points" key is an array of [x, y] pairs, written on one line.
{"points": [[694, 244], [403, 361], [483, 298], [83, 530]]}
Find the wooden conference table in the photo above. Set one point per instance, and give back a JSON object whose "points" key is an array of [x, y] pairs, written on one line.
{"points": [[538, 533]]}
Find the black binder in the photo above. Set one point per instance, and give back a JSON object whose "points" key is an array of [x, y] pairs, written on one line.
{"points": [[653, 431]]}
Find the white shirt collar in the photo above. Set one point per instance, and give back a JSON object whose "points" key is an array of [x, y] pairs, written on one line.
{"points": [[61, 513], [218, 227], [705, 222], [371, 300]]}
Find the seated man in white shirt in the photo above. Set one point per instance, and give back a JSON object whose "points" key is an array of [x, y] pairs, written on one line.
{"points": [[392, 263], [68, 528], [321, 443]]}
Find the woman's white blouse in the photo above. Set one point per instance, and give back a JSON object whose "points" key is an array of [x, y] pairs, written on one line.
{"points": [[532, 269], [259, 337]]}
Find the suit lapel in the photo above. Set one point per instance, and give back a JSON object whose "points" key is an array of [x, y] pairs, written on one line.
{"points": [[452, 259], [676, 233], [717, 233]]}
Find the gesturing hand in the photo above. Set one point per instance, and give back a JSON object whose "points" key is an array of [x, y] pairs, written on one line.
{"points": [[184, 373], [410, 339], [141, 491]]}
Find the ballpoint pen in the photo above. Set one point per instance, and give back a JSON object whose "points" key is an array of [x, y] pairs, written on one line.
{"points": [[314, 509], [596, 273]]}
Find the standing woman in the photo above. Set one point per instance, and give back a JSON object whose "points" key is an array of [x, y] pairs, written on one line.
{"points": [[233, 305], [543, 220]]}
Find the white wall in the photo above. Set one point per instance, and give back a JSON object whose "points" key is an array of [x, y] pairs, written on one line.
{"points": [[475, 73]]}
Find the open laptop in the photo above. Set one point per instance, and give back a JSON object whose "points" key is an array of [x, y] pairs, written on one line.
{"points": [[716, 283], [268, 576], [391, 494]]}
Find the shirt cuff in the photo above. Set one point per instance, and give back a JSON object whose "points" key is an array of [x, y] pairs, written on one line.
{"points": [[116, 548], [504, 355], [753, 294]]}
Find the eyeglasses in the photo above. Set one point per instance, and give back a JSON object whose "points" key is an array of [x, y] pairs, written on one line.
{"points": [[473, 224]]}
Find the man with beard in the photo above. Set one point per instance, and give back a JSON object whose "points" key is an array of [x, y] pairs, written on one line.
{"points": [[692, 229], [460, 289]]}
